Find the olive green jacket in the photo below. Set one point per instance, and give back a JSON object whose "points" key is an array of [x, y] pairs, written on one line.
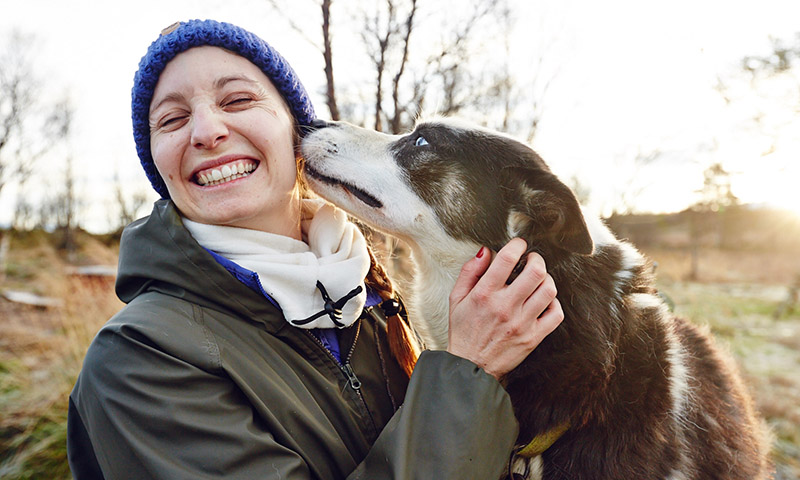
{"points": [[200, 377]]}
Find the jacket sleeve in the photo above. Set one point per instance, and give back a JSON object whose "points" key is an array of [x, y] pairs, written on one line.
{"points": [[456, 423], [138, 412]]}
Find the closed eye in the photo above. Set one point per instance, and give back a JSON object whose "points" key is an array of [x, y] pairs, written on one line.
{"points": [[421, 142], [237, 101], [172, 122]]}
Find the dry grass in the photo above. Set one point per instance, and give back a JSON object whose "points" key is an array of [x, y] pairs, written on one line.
{"points": [[41, 352]]}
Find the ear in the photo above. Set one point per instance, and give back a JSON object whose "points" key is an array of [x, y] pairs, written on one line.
{"points": [[546, 210]]}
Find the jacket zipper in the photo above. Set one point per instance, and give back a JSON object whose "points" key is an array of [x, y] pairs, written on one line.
{"points": [[355, 383], [347, 370]]}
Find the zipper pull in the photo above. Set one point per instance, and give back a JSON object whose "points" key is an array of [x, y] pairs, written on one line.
{"points": [[351, 377]]}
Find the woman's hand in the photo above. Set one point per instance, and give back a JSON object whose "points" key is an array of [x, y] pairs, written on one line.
{"points": [[496, 325]]}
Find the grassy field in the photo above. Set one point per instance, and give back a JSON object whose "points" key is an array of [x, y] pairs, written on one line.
{"points": [[738, 300], [41, 350]]}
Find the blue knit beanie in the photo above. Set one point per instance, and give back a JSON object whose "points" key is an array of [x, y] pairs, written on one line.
{"points": [[194, 33]]}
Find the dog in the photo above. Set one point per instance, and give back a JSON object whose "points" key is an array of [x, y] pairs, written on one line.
{"points": [[622, 389]]}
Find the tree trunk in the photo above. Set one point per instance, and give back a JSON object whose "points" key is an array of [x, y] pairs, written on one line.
{"points": [[327, 53]]}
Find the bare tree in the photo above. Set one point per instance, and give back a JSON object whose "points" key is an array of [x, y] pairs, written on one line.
{"points": [[387, 33], [409, 26], [716, 193], [24, 212], [327, 54], [128, 206], [784, 56], [28, 130], [450, 68], [706, 216], [457, 63], [381, 31], [325, 47], [466, 73], [773, 80], [66, 206]]}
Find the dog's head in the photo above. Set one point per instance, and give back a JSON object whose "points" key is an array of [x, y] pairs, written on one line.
{"points": [[446, 177]]}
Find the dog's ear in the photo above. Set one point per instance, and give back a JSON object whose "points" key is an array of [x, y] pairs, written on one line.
{"points": [[546, 211]]}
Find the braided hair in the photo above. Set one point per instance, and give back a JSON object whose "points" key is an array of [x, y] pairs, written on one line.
{"points": [[402, 342]]}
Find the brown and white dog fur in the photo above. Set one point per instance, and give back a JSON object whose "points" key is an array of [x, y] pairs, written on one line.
{"points": [[646, 395]]}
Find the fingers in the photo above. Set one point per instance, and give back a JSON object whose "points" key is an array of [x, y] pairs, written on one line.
{"points": [[531, 278], [470, 274], [550, 319], [541, 298], [503, 264]]}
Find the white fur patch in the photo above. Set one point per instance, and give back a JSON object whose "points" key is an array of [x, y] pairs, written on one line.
{"points": [[439, 260], [647, 301], [678, 373], [631, 258], [599, 232], [534, 467], [516, 223]]}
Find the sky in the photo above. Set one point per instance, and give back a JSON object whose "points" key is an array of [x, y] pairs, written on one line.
{"points": [[633, 78]]}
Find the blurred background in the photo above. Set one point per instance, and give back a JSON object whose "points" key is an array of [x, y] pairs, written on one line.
{"points": [[677, 122]]}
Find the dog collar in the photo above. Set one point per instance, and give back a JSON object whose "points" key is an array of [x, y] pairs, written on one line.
{"points": [[543, 441]]}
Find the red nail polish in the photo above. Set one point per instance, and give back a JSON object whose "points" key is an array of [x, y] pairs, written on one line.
{"points": [[481, 252]]}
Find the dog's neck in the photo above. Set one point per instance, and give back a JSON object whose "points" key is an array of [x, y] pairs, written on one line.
{"points": [[439, 261], [437, 267]]}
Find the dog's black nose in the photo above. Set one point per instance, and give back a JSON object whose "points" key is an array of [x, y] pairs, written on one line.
{"points": [[315, 124]]}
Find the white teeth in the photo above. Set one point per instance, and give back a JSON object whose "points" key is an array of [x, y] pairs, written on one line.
{"points": [[225, 173]]}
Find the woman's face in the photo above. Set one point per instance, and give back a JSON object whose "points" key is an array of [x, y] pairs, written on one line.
{"points": [[221, 137]]}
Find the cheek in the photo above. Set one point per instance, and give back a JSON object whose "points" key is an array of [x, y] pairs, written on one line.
{"points": [[280, 149], [287, 170], [165, 155]]}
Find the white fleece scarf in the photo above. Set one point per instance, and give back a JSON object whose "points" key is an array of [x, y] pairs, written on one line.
{"points": [[316, 283]]}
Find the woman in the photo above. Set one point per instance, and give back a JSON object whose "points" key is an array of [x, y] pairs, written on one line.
{"points": [[254, 343]]}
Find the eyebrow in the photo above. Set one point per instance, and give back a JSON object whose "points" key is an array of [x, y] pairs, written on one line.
{"points": [[218, 84], [222, 81], [172, 97]]}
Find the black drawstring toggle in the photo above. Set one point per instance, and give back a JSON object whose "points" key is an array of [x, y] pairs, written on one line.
{"points": [[332, 309], [390, 307]]}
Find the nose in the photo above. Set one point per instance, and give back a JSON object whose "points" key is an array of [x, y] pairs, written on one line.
{"points": [[315, 124], [208, 128]]}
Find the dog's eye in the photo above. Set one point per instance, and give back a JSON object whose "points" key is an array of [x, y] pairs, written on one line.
{"points": [[421, 142]]}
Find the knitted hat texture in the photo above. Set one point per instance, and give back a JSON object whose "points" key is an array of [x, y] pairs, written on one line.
{"points": [[195, 33]]}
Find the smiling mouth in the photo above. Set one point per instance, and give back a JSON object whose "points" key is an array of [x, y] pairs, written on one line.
{"points": [[225, 173], [349, 187]]}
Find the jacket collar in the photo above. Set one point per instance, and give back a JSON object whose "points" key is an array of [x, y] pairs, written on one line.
{"points": [[158, 253]]}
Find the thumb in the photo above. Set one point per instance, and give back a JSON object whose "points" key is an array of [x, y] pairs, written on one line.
{"points": [[470, 273]]}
